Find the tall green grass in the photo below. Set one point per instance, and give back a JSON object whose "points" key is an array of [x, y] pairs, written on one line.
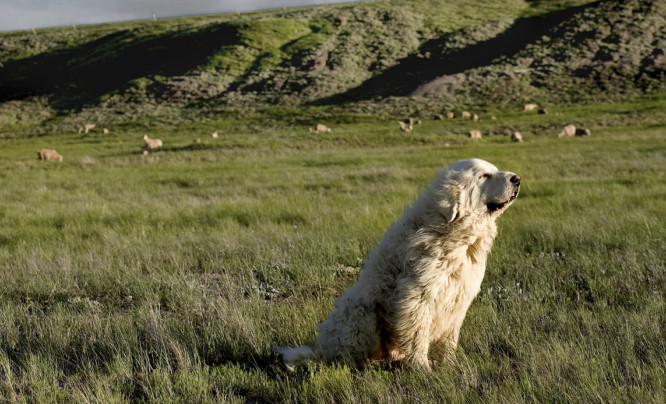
{"points": [[167, 277]]}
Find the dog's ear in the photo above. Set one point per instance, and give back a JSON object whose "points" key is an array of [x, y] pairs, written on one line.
{"points": [[449, 202], [451, 194]]}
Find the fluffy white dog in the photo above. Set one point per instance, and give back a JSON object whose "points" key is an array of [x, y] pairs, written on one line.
{"points": [[417, 284]]}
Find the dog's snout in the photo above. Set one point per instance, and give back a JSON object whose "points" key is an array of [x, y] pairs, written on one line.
{"points": [[515, 180]]}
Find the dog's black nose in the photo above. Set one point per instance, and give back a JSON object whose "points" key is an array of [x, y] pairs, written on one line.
{"points": [[515, 180]]}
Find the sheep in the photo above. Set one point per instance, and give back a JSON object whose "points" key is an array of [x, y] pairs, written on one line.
{"points": [[322, 128], [450, 115], [530, 107], [404, 127], [88, 127], [466, 114], [583, 132], [568, 130], [516, 137], [493, 117], [214, 135], [152, 143], [48, 154], [475, 134], [106, 131], [474, 117]]}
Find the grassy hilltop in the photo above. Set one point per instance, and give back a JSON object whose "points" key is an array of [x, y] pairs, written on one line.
{"points": [[166, 277]]}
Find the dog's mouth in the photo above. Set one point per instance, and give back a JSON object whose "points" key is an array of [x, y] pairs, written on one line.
{"points": [[495, 206]]}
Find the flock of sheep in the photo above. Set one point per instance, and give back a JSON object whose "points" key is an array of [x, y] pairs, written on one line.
{"points": [[406, 126], [150, 144], [569, 130]]}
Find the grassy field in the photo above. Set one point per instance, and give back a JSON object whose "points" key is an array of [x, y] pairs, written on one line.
{"points": [[127, 277]]}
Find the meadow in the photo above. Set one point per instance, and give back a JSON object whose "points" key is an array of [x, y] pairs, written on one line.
{"points": [[167, 277]]}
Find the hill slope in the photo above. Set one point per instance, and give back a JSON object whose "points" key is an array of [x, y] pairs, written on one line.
{"points": [[449, 52]]}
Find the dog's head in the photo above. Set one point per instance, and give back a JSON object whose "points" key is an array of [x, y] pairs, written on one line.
{"points": [[475, 187]]}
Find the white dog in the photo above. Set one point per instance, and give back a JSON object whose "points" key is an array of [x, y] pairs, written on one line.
{"points": [[417, 284]]}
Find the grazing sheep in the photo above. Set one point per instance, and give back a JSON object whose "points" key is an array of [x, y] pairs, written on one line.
{"points": [[88, 127], [583, 132], [493, 117], [48, 154], [542, 111], [530, 107], [567, 131], [106, 131], [322, 128], [475, 134], [474, 117], [404, 127], [214, 135], [516, 137], [466, 114], [450, 115], [152, 143], [439, 117], [197, 140]]}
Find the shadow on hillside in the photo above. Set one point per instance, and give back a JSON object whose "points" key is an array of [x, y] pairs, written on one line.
{"points": [[77, 76], [415, 70]]}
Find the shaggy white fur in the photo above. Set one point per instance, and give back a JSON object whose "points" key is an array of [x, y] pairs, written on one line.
{"points": [[418, 283]]}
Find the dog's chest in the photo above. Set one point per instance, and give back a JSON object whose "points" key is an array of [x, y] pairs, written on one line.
{"points": [[463, 283]]}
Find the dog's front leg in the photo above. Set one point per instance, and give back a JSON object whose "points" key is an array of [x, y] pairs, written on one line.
{"points": [[412, 321]]}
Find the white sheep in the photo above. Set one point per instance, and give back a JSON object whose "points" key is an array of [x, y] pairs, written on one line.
{"points": [[450, 115], [322, 128], [474, 117], [567, 131], [475, 134], [214, 135], [48, 154], [152, 143], [404, 127], [530, 107], [106, 131], [88, 127], [516, 137], [466, 114]]}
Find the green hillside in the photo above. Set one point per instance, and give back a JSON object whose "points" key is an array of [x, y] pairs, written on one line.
{"points": [[378, 56]]}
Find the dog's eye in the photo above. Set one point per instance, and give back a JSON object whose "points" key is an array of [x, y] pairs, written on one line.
{"points": [[485, 175]]}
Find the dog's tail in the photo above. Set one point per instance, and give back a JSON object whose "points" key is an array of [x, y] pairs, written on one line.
{"points": [[296, 356]]}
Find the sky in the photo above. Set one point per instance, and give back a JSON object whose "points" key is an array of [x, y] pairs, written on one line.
{"points": [[26, 14]]}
